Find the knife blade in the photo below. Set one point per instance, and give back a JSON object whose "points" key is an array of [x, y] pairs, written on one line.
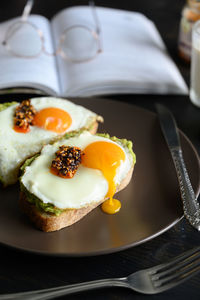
{"points": [[170, 131]]}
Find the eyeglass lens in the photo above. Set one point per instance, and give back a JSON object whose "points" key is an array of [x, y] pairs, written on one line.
{"points": [[19, 41], [79, 43]]}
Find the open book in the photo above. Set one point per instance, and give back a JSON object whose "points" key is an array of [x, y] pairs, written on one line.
{"points": [[134, 58]]}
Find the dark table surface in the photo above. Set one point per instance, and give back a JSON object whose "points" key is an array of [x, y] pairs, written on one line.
{"points": [[21, 271]]}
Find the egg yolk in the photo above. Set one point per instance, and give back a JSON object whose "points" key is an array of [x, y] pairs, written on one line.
{"points": [[53, 119], [107, 157]]}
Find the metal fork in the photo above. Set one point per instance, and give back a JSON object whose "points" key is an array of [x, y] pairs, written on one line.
{"points": [[148, 281]]}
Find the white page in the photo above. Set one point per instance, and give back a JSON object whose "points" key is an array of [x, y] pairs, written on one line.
{"points": [[134, 58], [39, 72]]}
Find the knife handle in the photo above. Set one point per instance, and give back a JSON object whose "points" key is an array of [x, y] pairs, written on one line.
{"points": [[190, 204]]}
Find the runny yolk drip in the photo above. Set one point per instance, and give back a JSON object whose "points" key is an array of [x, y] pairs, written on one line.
{"points": [[53, 119], [107, 157]]}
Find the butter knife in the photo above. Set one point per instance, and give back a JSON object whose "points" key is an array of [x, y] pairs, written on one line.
{"points": [[169, 128]]}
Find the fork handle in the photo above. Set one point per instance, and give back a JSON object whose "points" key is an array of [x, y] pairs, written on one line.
{"points": [[190, 204], [52, 293]]}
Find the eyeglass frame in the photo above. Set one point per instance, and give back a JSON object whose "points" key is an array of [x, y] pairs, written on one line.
{"points": [[24, 20]]}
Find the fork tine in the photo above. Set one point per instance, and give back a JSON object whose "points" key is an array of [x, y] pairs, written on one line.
{"points": [[171, 284], [178, 267], [179, 273], [176, 271], [176, 260]]}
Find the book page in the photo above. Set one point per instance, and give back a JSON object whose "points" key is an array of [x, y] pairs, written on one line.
{"points": [[133, 60], [39, 72]]}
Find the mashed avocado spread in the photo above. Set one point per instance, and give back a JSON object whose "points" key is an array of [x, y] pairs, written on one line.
{"points": [[47, 207], [6, 105], [40, 205]]}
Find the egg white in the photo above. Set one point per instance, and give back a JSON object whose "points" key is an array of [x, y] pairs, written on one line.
{"points": [[87, 186], [15, 147]]}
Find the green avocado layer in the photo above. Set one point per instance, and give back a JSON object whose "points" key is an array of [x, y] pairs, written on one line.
{"points": [[6, 105], [74, 133], [44, 207], [40, 205], [48, 207]]}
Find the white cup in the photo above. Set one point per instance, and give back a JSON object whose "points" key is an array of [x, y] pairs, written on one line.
{"points": [[195, 66]]}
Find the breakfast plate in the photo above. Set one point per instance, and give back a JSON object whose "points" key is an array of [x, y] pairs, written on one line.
{"points": [[151, 203]]}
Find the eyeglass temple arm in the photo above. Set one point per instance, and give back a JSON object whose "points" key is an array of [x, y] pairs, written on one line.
{"points": [[27, 10], [29, 5], [96, 19], [25, 15]]}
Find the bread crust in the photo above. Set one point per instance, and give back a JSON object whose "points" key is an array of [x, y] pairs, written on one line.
{"points": [[94, 127], [48, 222]]}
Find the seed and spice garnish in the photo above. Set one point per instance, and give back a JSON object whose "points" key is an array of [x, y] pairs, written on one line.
{"points": [[23, 117], [66, 162]]}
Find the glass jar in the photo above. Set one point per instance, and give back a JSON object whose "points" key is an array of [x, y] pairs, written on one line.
{"points": [[190, 14]]}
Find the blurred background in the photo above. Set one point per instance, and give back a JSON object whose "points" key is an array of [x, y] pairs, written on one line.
{"points": [[166, 14]]}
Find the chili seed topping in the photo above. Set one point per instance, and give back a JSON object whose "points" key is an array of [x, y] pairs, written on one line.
{"points": [[24, 115], [67, 161]]}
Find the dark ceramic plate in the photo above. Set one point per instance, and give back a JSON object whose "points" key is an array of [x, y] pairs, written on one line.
{"points": [[151, 203]]}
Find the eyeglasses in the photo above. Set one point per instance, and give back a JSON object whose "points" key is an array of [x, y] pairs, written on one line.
{"points": [[77, 43]]}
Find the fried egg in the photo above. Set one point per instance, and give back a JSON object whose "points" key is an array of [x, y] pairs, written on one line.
{"points": [[54, 117], [104, 165]]}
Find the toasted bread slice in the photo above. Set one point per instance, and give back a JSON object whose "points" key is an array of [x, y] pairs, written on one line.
{"points": [[52, 218], [16, 147], [48, 222]]}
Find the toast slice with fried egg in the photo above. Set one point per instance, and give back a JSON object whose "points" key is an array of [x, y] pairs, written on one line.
{"points": [[26, 127], [53, 198]]}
